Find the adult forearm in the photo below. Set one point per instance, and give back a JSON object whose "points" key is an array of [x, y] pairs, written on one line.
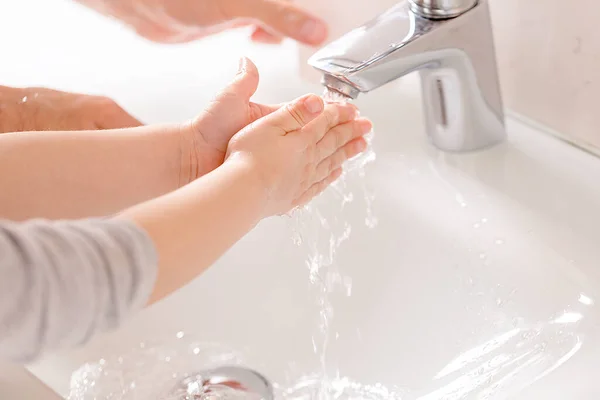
{"points": [[89, 173], [10, 116], [192, 227]]}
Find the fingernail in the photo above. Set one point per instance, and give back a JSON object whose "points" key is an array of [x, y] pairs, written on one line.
{"points": [[242, 65], [313, 104], [313, 31], [365, 126]]}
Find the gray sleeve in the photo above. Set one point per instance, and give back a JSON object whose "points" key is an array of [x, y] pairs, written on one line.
{"points": [[63, 281]]}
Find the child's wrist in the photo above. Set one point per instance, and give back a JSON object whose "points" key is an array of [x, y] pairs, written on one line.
{"points": [[190, 167], [251, 178]]}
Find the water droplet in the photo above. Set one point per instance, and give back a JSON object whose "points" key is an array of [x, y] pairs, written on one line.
{"points": [[484, 220], [348, 198], [24, 99], [371, 222], [482, 256], [542, 346], [180, 335], [583, 299], [167, 359], [132, 385], [568, 318], [529, 334], [196, 350], [476, 225], [297, 239], [499, 241], [499, 302]]}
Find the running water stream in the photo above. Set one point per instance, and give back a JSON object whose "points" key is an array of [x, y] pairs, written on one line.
{"points": [[322, 233]]}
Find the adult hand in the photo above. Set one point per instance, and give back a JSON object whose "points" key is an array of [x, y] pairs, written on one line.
{"points": [[39, 109], [174, 21]]}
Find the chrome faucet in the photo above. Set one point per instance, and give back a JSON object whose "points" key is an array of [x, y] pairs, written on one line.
{"points": [[450, 43]]}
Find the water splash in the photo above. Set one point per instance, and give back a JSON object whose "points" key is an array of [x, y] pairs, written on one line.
{"points": [[155, 370], [311, 388]]}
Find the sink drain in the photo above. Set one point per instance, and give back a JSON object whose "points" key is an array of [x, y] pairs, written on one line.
{"points": [[223, 383]]}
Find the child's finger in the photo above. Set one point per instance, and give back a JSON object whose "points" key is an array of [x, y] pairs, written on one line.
{"points": [[337, 159], [340, 135], [318, 187], [297, 114], [333, 115]]}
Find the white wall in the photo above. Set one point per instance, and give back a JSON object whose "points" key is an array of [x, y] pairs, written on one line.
{"points": [[549, 56]]}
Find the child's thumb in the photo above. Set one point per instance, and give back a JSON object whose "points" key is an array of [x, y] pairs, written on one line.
{"points": [[245, 82]]}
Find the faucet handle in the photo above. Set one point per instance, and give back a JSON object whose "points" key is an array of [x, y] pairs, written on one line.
{"points": [[441, 9]]}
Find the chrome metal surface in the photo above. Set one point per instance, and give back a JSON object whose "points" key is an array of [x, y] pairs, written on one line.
{"points": [[456, 61], [441, 9], [244, 382]]}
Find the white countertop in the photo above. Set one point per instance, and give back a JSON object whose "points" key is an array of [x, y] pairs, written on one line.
{"points": [[17, 383]]}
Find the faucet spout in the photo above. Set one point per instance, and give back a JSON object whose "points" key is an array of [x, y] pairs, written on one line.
{"points": [[455, 57]]}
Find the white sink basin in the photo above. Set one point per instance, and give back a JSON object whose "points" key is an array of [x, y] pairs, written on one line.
{"points": [[481, 277]]}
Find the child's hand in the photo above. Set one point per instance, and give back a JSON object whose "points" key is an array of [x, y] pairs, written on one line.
{"points": [[229, 112], [298, 150]]}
